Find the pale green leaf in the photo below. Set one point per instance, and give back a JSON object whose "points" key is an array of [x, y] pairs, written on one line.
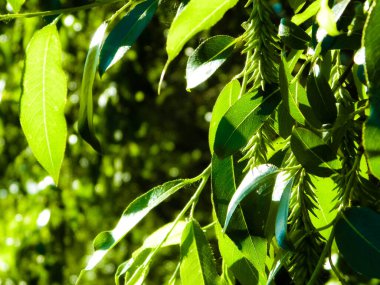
{"points": [[226, 99], [43, 100], [132, 215], [197, 260], [198, 15], [16, 4]]}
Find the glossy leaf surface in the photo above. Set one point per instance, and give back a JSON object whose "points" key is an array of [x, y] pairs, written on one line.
{"points": [[125, 34], [197, 260], [357, 235], [207, 58], [314, 155], [243, 119], [292, 35], [85, 122], [43, 100], [196, 16], [132, 215], [225, 100], [16, 4]]}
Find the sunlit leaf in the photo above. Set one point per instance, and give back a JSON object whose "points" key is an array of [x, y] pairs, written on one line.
{"points": [[325, 213], [357, 235], [243, 119], [207, 58], [43, 100], [312, 152], [125, 34], [85, 122], [196, 16], [244, 254], [197, 260], [16, 4], [132, 215], [258, 179], [327, 19], [226, 99], [309, 12]]}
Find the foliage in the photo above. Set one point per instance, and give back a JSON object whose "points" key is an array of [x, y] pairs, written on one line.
{"points": [[293, 138]]}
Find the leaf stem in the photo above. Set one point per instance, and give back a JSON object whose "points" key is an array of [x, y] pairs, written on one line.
{"points": [[8, 17], [321, 260]]}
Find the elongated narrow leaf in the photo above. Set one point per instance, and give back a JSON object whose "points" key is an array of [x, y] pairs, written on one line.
{"points": [[125, 34], [85, 122], [292, 35], [243, 119], [207, 58], [312, 152], [226, 99], [371, 44], [325, 213], [258, 179], [16, 4], [309, 12], [327, 19], [43, 100], [198, 15], [321, 98], [357, 235], [244, 254], [281, 227], [197, 260], [132, 215], [137, 267]]}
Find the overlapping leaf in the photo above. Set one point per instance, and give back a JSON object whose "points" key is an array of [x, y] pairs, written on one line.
{"points": [[243, 119], [292, 35], [43, 100], [125, 34], [357, 235]]}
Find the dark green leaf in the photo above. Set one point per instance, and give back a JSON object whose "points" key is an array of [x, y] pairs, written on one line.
{"points": [[243, 253], [207, 58], [226, 99], [312, 152], [292, 35], [243, 119], [85, 122], [371, 44], [371, 134], [352, 42], [132, 215], [281, 227], [321, 98], [125, 34], [42, 106], [258, 179], [357, 235], [296, 4], [197, 261]]}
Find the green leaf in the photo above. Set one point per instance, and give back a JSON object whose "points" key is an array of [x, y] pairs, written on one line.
{"points": [[226, 99], [197, 260], [292, 35], [196, 16], [281, 227], [313, 154], [371, 134], [244, 254], [371, 43], [243, 119], [43, 100], [357, 235], [16, 4], [207, 58], [125, 34], [85, 122], [321, 98], [132, 215], [326, 19], [258, 179], [309, 12], [296, 4], [137, 267]]}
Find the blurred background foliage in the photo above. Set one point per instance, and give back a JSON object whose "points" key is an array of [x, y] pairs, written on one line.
{"points": [[46, 231]]}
